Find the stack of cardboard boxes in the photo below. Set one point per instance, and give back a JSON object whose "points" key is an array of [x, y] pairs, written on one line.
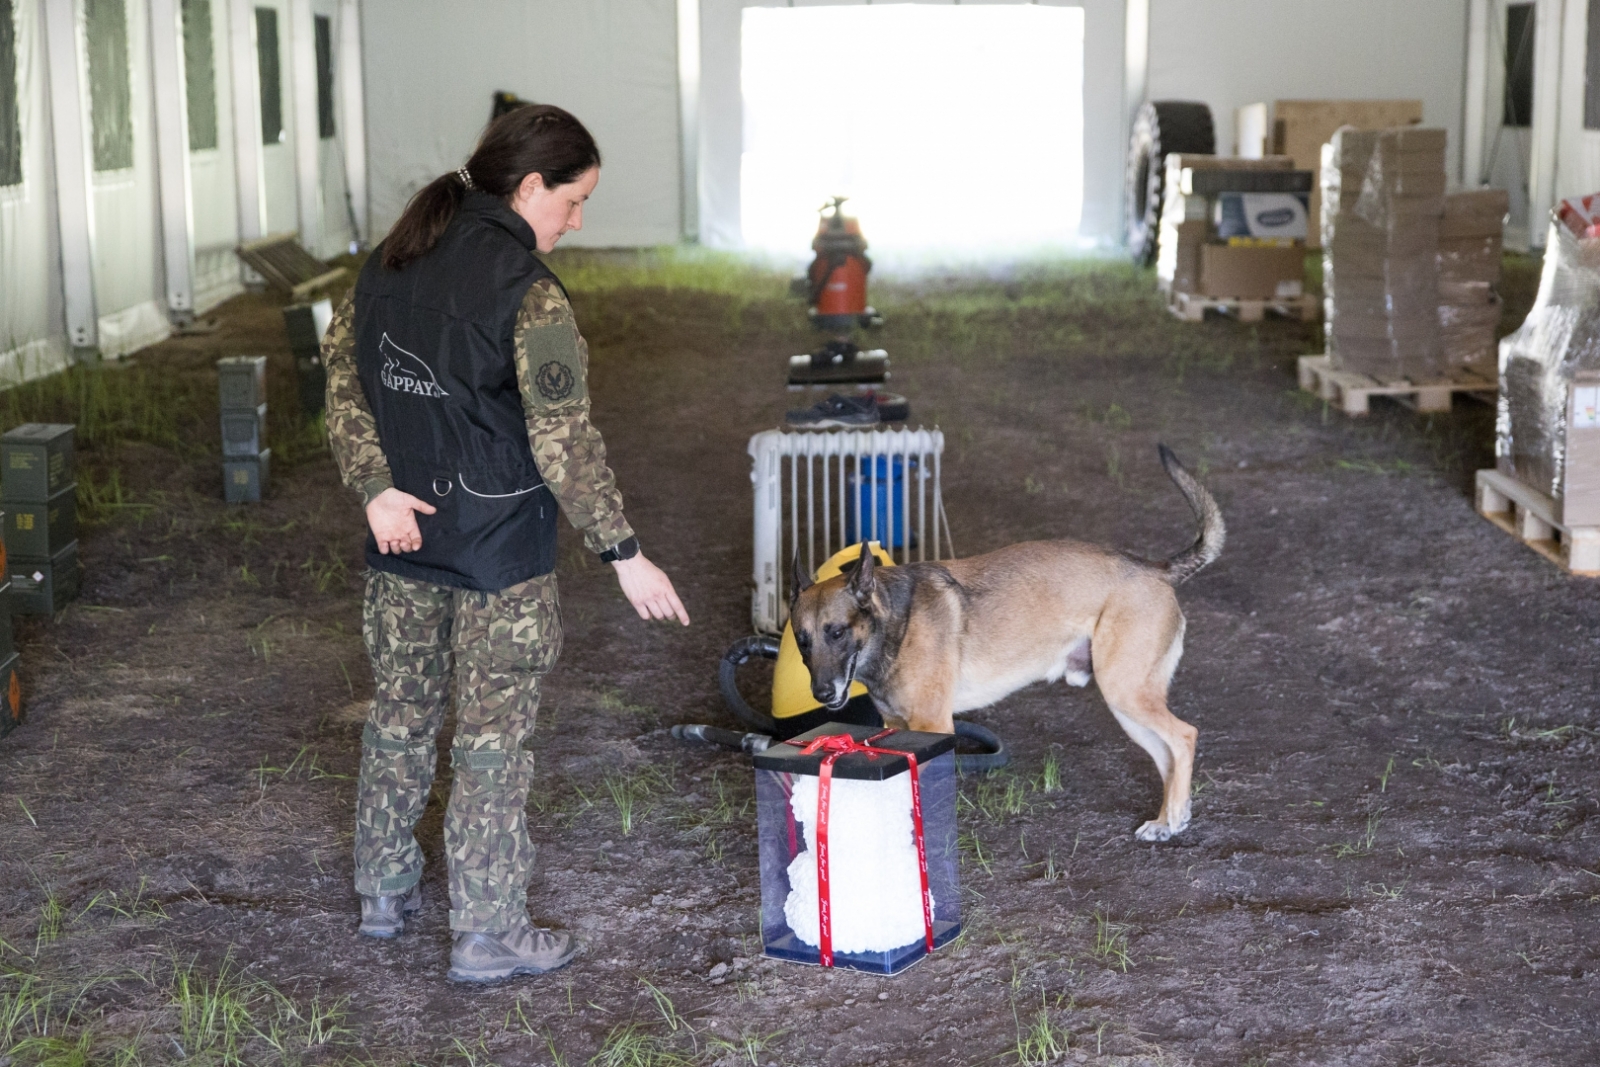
{"points": [[40, 492], [1470, 235], [1233, 229], [246, 459], [1382, 202]]}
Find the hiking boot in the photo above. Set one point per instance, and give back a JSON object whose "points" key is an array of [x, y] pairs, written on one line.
{"points": [[836, 411], [484, 957], [385, 916]]}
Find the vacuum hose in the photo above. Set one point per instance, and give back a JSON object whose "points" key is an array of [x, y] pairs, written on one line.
{"points": [[994, 756]]}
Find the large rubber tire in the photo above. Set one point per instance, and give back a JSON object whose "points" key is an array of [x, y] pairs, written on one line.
{"points": [[1161, 127]]}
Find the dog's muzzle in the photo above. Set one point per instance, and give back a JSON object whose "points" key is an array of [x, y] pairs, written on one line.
{"points": [[841, 691]]}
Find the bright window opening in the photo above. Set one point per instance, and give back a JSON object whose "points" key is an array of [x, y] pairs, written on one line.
{"points": [[950, 128]]}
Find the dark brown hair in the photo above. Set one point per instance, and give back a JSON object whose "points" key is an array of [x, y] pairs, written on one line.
{"points": [[537, 139]]}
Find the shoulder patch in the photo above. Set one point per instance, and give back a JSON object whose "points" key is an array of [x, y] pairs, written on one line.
{"points": [[554, 380]]}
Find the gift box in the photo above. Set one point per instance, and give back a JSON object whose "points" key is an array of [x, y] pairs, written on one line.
{"points": [[859, 867]]}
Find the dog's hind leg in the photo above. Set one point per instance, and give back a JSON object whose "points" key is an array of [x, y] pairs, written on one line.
{"points": [[1136, 651]]}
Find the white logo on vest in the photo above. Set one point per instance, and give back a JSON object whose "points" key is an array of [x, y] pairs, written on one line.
{"points": [[403, 378]]}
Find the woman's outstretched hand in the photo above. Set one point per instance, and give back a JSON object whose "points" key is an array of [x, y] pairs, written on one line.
{"points": [[649, 590], [392, 516]]}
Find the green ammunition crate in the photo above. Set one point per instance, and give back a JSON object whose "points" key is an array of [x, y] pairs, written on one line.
{"points": [[36, 461], [244, 478], [312, 378], [39, 531], [244, 433], [43, 586], [10, 695], [242, 382], [306, 324]]}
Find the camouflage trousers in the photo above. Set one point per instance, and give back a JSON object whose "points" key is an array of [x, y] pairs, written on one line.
{"points": [[491, 649]]}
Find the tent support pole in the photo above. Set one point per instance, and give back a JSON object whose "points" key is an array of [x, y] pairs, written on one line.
{"points": [[74, 178], [172, 158]]}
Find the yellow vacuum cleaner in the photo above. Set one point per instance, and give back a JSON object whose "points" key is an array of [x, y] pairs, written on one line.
{"points": [[795, 710]]}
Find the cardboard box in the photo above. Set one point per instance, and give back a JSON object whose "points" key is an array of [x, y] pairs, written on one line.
{"points": [[1299, 128], [1186, 218], [1580, 497], [1251, 273], [1279, 216]]}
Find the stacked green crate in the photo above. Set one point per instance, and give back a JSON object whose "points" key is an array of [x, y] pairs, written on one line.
{"points": [[242, 393], [306, 324], [40, 493]]}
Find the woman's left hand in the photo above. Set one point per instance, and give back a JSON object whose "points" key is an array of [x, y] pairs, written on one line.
{"points": [[649, 590]]}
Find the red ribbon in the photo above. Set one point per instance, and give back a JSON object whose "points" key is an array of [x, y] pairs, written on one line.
{"points": [[836, 745]]}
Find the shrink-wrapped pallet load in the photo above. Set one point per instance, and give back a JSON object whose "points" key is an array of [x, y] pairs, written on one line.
{"points": [[1548, 427], [1382, 202], [1470, 233]]}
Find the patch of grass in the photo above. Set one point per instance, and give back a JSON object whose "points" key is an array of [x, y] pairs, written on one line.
{"points": [[1363, 844], [727, 809], [1040, 1040], [305, 766], [631, 1045], [1049, 780], [1111, 942], [632, 790], [226, 1019]]}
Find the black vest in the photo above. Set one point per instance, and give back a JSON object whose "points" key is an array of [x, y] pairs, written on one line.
{"points": [[434, 345]]}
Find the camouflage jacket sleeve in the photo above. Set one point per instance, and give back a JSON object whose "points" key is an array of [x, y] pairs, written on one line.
{"points": [[552, 373], [352, 431]]}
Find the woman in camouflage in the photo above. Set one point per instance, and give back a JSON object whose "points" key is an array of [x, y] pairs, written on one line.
{"points": [[458, 408]]}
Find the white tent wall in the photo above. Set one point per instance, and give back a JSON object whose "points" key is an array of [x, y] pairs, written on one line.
{"points": [[722, 128], [213, 184], [1557, 156], [431, 69], [333, 203], [277, 150], [33, 339], [1228, 53], [128, 269]]}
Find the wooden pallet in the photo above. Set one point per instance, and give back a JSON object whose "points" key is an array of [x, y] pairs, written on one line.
{"points": [[1352, 391], [1529, 515], [1191, 307], [287, 266]]}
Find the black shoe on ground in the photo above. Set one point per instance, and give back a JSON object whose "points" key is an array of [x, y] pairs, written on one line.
{"points": [[892, 407], [836, 411]]}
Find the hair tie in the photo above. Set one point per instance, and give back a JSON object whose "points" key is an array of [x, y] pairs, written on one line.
{"points": [[466, 179]]}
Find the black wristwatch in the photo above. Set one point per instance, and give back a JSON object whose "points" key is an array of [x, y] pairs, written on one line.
{"points": [[625, 549]]}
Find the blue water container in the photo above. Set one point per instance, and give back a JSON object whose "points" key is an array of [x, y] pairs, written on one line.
{"points": [[874, 506]]}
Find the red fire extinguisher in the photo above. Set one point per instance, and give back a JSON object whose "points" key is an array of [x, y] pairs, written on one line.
{"points": [[838, 274]]}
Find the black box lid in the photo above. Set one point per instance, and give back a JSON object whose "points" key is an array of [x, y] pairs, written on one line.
{"points": [[37, 433], [857, 765]]}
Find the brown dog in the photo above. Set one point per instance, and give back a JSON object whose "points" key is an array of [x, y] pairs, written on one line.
{"points": [[929, 640]]}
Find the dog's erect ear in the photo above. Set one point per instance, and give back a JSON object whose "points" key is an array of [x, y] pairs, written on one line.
{"points": [[865, 577], [799, 580]]}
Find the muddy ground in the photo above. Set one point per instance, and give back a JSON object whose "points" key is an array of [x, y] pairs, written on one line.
{"points": [[1394, 859]]}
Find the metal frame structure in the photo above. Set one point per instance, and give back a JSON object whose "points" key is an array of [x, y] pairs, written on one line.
{"points": [[172, 158], [74, 175]]}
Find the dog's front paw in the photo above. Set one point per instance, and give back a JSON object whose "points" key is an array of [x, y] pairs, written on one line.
{"points": [[1154, 830]]}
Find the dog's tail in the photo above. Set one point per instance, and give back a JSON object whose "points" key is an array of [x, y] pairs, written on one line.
{"points": [[1208, 545]]}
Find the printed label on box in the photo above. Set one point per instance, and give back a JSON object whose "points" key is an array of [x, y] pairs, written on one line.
{"points": [[1586, 407]]}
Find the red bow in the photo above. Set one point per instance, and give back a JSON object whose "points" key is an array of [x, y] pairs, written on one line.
{"points": [[836, 745]]}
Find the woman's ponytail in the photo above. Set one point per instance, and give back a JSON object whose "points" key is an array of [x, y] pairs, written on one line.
{"points": [[537, 139], [423, 221]]}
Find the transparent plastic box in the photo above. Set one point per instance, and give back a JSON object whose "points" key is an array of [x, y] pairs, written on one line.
{"points": [[876, 912]]}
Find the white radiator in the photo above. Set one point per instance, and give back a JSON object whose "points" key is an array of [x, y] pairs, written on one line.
{"points": [[816, 492]]}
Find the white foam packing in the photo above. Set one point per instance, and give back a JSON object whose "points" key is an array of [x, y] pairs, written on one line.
{"points": [[875, 886]]}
